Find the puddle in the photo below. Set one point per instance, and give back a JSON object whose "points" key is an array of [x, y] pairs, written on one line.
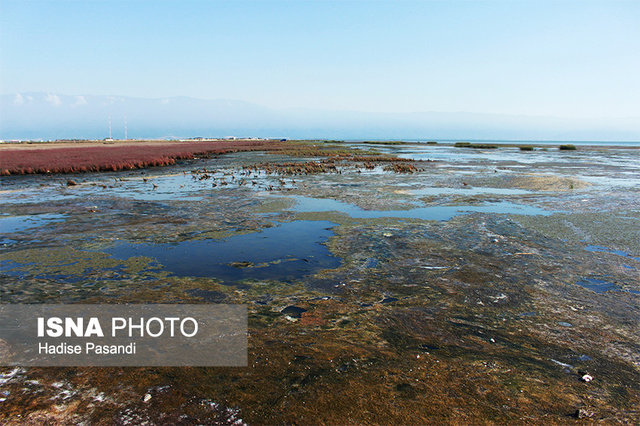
{"points": [[11, 224], [152, 188], [468, 191], [161, 188], [181, 186], [8, 267], [603, 249], [370, 262], [441, 213], [35, 195], [602, 286], [285, 252], [293, 311]]}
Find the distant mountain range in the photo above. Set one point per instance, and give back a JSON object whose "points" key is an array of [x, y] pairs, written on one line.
{"points": [[55, 116]]}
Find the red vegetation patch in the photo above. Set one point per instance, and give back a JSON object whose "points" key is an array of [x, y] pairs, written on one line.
{"points": [[313, 319], [401, 168], [378, 158], [93, 158]]}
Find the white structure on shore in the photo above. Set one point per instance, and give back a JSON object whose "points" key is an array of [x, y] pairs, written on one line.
{"points": [[109, 138]]}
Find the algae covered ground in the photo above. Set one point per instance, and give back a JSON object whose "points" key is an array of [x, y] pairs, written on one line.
{"points": [[387, 283]]}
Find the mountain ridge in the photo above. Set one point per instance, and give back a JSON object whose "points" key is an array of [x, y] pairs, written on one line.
{"points": [[45, 115]]}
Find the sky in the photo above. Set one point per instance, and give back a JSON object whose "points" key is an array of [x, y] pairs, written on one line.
{"points": [[575, 59]]}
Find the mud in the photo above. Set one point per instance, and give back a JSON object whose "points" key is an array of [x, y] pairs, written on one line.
{"points": [[545, 183], [467, 291]]}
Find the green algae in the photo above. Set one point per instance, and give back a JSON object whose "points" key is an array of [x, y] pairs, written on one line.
{"points": [[274, 205], [475, 325], [617, 230], [69, 261]]}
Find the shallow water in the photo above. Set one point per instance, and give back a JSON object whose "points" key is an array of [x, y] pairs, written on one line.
{"points": [[476, 190], [602, 286], [11, 224], [285, 252], [417, 287], [602, 249], [441, 213], [611, 167]]}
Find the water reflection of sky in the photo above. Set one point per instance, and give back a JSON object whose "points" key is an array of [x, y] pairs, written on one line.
{"points": [[476, 190], [512, 154], [609, 168], [308, 204], [285, 252], [620, 167], [11, 224], [602, 286]]}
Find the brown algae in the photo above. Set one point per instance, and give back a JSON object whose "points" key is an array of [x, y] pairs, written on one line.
{"points": [[473, 316]]}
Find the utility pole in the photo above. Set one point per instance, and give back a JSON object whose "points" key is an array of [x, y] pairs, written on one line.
{"points": [[125, 127], [109, 126]]}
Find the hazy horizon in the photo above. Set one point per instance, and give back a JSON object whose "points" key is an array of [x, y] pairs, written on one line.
{"points": [[87, 117], [530, 70]]}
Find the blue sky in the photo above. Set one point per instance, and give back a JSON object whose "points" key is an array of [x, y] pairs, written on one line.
{"points": [[550, 58]]}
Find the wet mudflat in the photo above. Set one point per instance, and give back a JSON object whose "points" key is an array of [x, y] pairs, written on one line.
{"points": [[479, 287]]}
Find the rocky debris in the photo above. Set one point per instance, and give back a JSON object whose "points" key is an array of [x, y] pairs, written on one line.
{"points": [[583, 413], [586, 378], [242, 264]]}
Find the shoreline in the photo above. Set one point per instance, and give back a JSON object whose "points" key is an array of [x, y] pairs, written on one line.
{"points": [[81, 156]]}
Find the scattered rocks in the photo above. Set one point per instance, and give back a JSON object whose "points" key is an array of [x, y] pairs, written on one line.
{"points": [[586, 378], [583, 413], [242, 264]]}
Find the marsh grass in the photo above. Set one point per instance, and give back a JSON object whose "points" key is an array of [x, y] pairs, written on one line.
{"points": [[567, 147], [385, 142], [475, 145]]}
